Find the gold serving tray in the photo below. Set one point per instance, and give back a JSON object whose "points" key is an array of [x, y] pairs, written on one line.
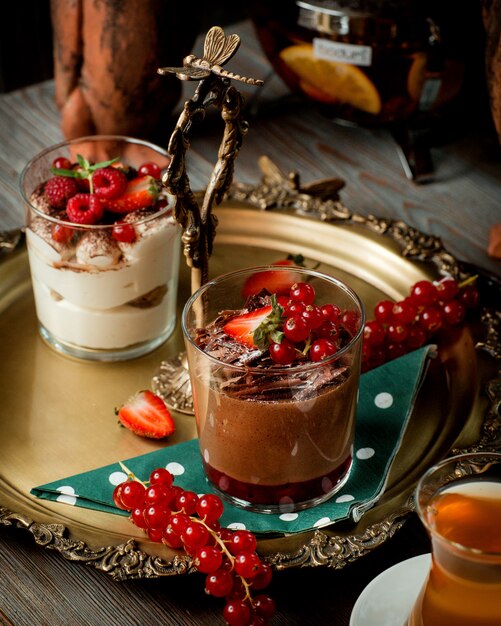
{"points": [[57, 414]]}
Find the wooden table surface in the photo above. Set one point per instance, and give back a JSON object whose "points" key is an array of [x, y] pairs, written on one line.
{"points": [[38, 586]]}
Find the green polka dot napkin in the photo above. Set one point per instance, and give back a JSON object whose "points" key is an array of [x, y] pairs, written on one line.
{"points": [[387, 396]]}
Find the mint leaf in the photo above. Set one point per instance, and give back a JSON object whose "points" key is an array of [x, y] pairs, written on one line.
{"points": [[82, 161], [271, 327], [298, 259], [98, 166], [67, 173]]}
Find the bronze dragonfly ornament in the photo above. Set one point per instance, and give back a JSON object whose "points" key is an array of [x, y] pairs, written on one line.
{"points": [[218, 49]]}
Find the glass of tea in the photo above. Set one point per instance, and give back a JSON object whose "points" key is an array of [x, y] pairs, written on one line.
{"points": [[459, 502]]}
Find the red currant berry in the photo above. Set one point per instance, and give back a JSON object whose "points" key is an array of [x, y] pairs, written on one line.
{"points": [[126, 233], [264, 606], [239, 591], [328, 330], [219, 584], [469, 296], [208, 559], [156, 494], [175, 493], [294, 308], [171, 538], [209, 507], [132, 494], [84, 208], [453, 312], [283, 353], [351, 322], [283, 301], [313, 316], [61, 234], [423, 293], [117, 497], [331, 312], [383, 311], [416, 337], [156, 516], [431, 319], [137, 517], [302, 292], [161, 476], [237, 613], [187, 502], [263, 577], [322, 349], [447, 289], [225, 534], [374, 333], [242, 541], [394, 350], [296, 328], [378, 357], [155, 534], [195, 535], [109, 182], [404, 312], [62, 163], [247, 564], [150, 169], [179, 522], [257, 620], [397, 333]]}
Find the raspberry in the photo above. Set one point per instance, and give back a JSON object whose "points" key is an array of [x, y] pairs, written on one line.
{"points": [[109, 182], [59, 190], [84, 208]]}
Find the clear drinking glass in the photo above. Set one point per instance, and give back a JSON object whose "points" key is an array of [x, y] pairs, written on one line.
{"points": [[459, 502], [276, 439], [98, 297]]}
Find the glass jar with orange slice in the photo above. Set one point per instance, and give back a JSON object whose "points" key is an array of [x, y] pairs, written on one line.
{"points": [[371, 62]]}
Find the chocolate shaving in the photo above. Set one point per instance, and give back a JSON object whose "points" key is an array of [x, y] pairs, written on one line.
{"points": [[293, 384]]}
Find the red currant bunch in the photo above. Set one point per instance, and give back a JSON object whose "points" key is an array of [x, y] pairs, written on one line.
{"points": [[310, 332], [400, 327], [181, 519]]}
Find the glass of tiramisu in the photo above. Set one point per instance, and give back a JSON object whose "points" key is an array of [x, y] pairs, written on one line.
{"points": [[274, 358], [103, 247]]}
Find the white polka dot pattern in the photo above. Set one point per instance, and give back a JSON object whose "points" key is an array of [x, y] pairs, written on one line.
{"points": [[117, 478], [383, 400], [67, 495], [365, 453]]}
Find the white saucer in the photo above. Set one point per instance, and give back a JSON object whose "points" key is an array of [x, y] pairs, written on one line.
{"points": [[388, 599]]}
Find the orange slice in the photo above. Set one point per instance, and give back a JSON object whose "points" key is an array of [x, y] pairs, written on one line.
{"points": [[340, 81], [415, 78]]}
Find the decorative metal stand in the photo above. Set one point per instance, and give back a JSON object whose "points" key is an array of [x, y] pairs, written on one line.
{"points": [[198, 224]]}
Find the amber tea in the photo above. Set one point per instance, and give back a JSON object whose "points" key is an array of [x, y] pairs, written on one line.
{"points": [[464, 584]]}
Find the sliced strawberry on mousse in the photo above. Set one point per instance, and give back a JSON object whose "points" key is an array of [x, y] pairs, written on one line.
{"points": [[274, 282], [140, 193], [242, 327], [146, 414]]}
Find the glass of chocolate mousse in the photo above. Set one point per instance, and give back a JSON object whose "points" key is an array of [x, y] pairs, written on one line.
{"points": [[274, 358], [103, 247]]}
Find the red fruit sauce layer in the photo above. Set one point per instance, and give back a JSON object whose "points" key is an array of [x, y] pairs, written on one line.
{"points": [[278, 494]]}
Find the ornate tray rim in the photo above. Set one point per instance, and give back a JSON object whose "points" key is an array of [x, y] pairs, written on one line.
{"points": [[126, 560]]}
